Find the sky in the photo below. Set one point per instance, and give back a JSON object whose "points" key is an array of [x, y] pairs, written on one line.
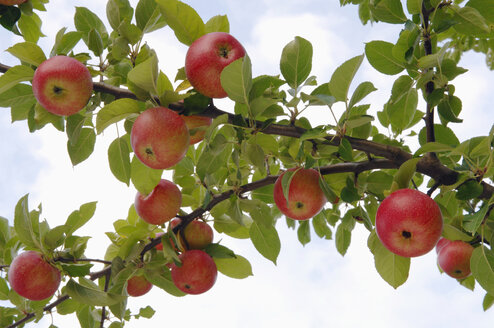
{"points": [[311, 286]]}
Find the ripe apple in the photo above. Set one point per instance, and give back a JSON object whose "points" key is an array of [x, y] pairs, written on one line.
{"points": [[159, 137], [454, 259], [138, 286], [206, 58], [62, 85], [197, 274], [305, 196], [161, 205], [441, 243], [11, 2], [197, 233], [32, 277], [409, 223], [196, 122]]}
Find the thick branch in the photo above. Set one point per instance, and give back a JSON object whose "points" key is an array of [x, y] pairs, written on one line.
{"points": [[31, 315]]}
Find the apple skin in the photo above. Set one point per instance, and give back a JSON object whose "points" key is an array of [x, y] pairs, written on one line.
{"points": [[207, 57], [441, 243], [305, 196], [138, 286], [196, 121], [197, 233], [159, 138], [62, 85], [11, 2], [197, 274], [409, 223], [161, 205], [454, 259], [32, 277]]}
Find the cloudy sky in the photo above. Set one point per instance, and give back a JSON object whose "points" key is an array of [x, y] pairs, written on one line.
{"points": [[312, 286]]}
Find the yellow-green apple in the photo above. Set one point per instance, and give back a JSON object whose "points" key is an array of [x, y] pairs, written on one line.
{"points": [[161, 204], [196, 274], [159, 137], [138, 286], [197, 126], [454, 259], [305, 196], [198, 234], [409, 223], [32, 277], [11, 2], [441, 243], [207, 57], [62, 85]]}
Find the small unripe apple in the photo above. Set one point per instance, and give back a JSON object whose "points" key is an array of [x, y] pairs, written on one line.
{"points": [[138, 286], [409, 223], [62, 85], [197, 274], [207, 57], [454, 259], [195, 122], [161, 204], [441, 243], [11, 2], [197, 233], [32, 277], [305, 196], [159, 138]]}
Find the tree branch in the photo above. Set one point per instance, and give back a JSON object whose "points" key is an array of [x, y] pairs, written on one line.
{"points": [[31, 315]]}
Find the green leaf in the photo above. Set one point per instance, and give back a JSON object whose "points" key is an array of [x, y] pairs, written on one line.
{"points": [[95, 42], [85, 20], [405, 173], [116, 111], [472, 222], [4, 290], [393, 268], [83, 147], [143, 177], [183, 20], [79, 217], [345, 150], [77, 269], [470, 189], [118, 11], [236, 79], [10, 16], [237, 267], [218, 23], [482, 266], [433, 147], [380, 56], [145, 75], [484, 7], [414, 7], [363, 90], [30, 27], [23, 224], [119, 159], [378, 181], [265, 240], [28, 52], [146, 312], [219, 251], [65, 42], [15, 75], [402, 105], [91, 296], [449, 108], [296, 61], [470, 22], [343, 76], [343, 238], [303, 232], [487, 302], [148, 16], [162, 279], [389, 11], [18, 95]]}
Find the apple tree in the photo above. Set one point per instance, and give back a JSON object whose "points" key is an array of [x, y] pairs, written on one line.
{"points": [[200, 170]]}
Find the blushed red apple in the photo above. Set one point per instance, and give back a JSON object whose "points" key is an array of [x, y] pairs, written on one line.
{"points": [[197, 274], [159, 137], [62, 85], [207, 57], [200, 123], [11, 2], [138, 286], [305, 196], [32, 277], [197, 233], [161, 204], [441, 243], [454, 259], [409, 223]]}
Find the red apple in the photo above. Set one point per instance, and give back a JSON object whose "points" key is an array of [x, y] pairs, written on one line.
{"points": [[197, 233], [62, 85], [441, 243], [161, 205], [197, 273], [454, 259], [305, 196], [206, 58], [159, 138], [197, 122], [138, 286], [409, 223], [32, 277], [11, 2]]}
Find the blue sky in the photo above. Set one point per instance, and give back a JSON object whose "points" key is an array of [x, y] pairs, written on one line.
{"points": [[312, 286]]}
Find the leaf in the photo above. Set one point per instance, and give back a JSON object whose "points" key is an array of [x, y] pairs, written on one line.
{"points": [[30, 27], [343, 238], [236, 79], [77, 269], [143, 177], [219, 251], [363, 90], [23, 224], [119, 159], [435, 147], [468, 190], [10, 16], [303, 232], [79, 217], [148, 16], [218, 23], [237, 267], [83, 146], [145, 75], [183, 20], [146, 312], [473, 221], [118, 11], [405, 173], [380, 56], [485, 8], [265, 240], [95, 42], [85, 20], [116, 111], [449, 108], [402, 105], [482, 266], [163, 280], [343, 76], [296, 61], [15, 75], [28, 52], [470, 22], [389, 11], [18, 95], [65, 42], [91, 296]]}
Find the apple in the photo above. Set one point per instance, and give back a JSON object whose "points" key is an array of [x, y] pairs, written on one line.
{"points": [[32, 277], [207, 57], [62, 85], [305, 196], [159, 247], [454, 259], [138, 286], [197, 233], [409, 223], [196, 274], [159, 137], [11, 2], [197, 122], [161, 204], [441, 243]]}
